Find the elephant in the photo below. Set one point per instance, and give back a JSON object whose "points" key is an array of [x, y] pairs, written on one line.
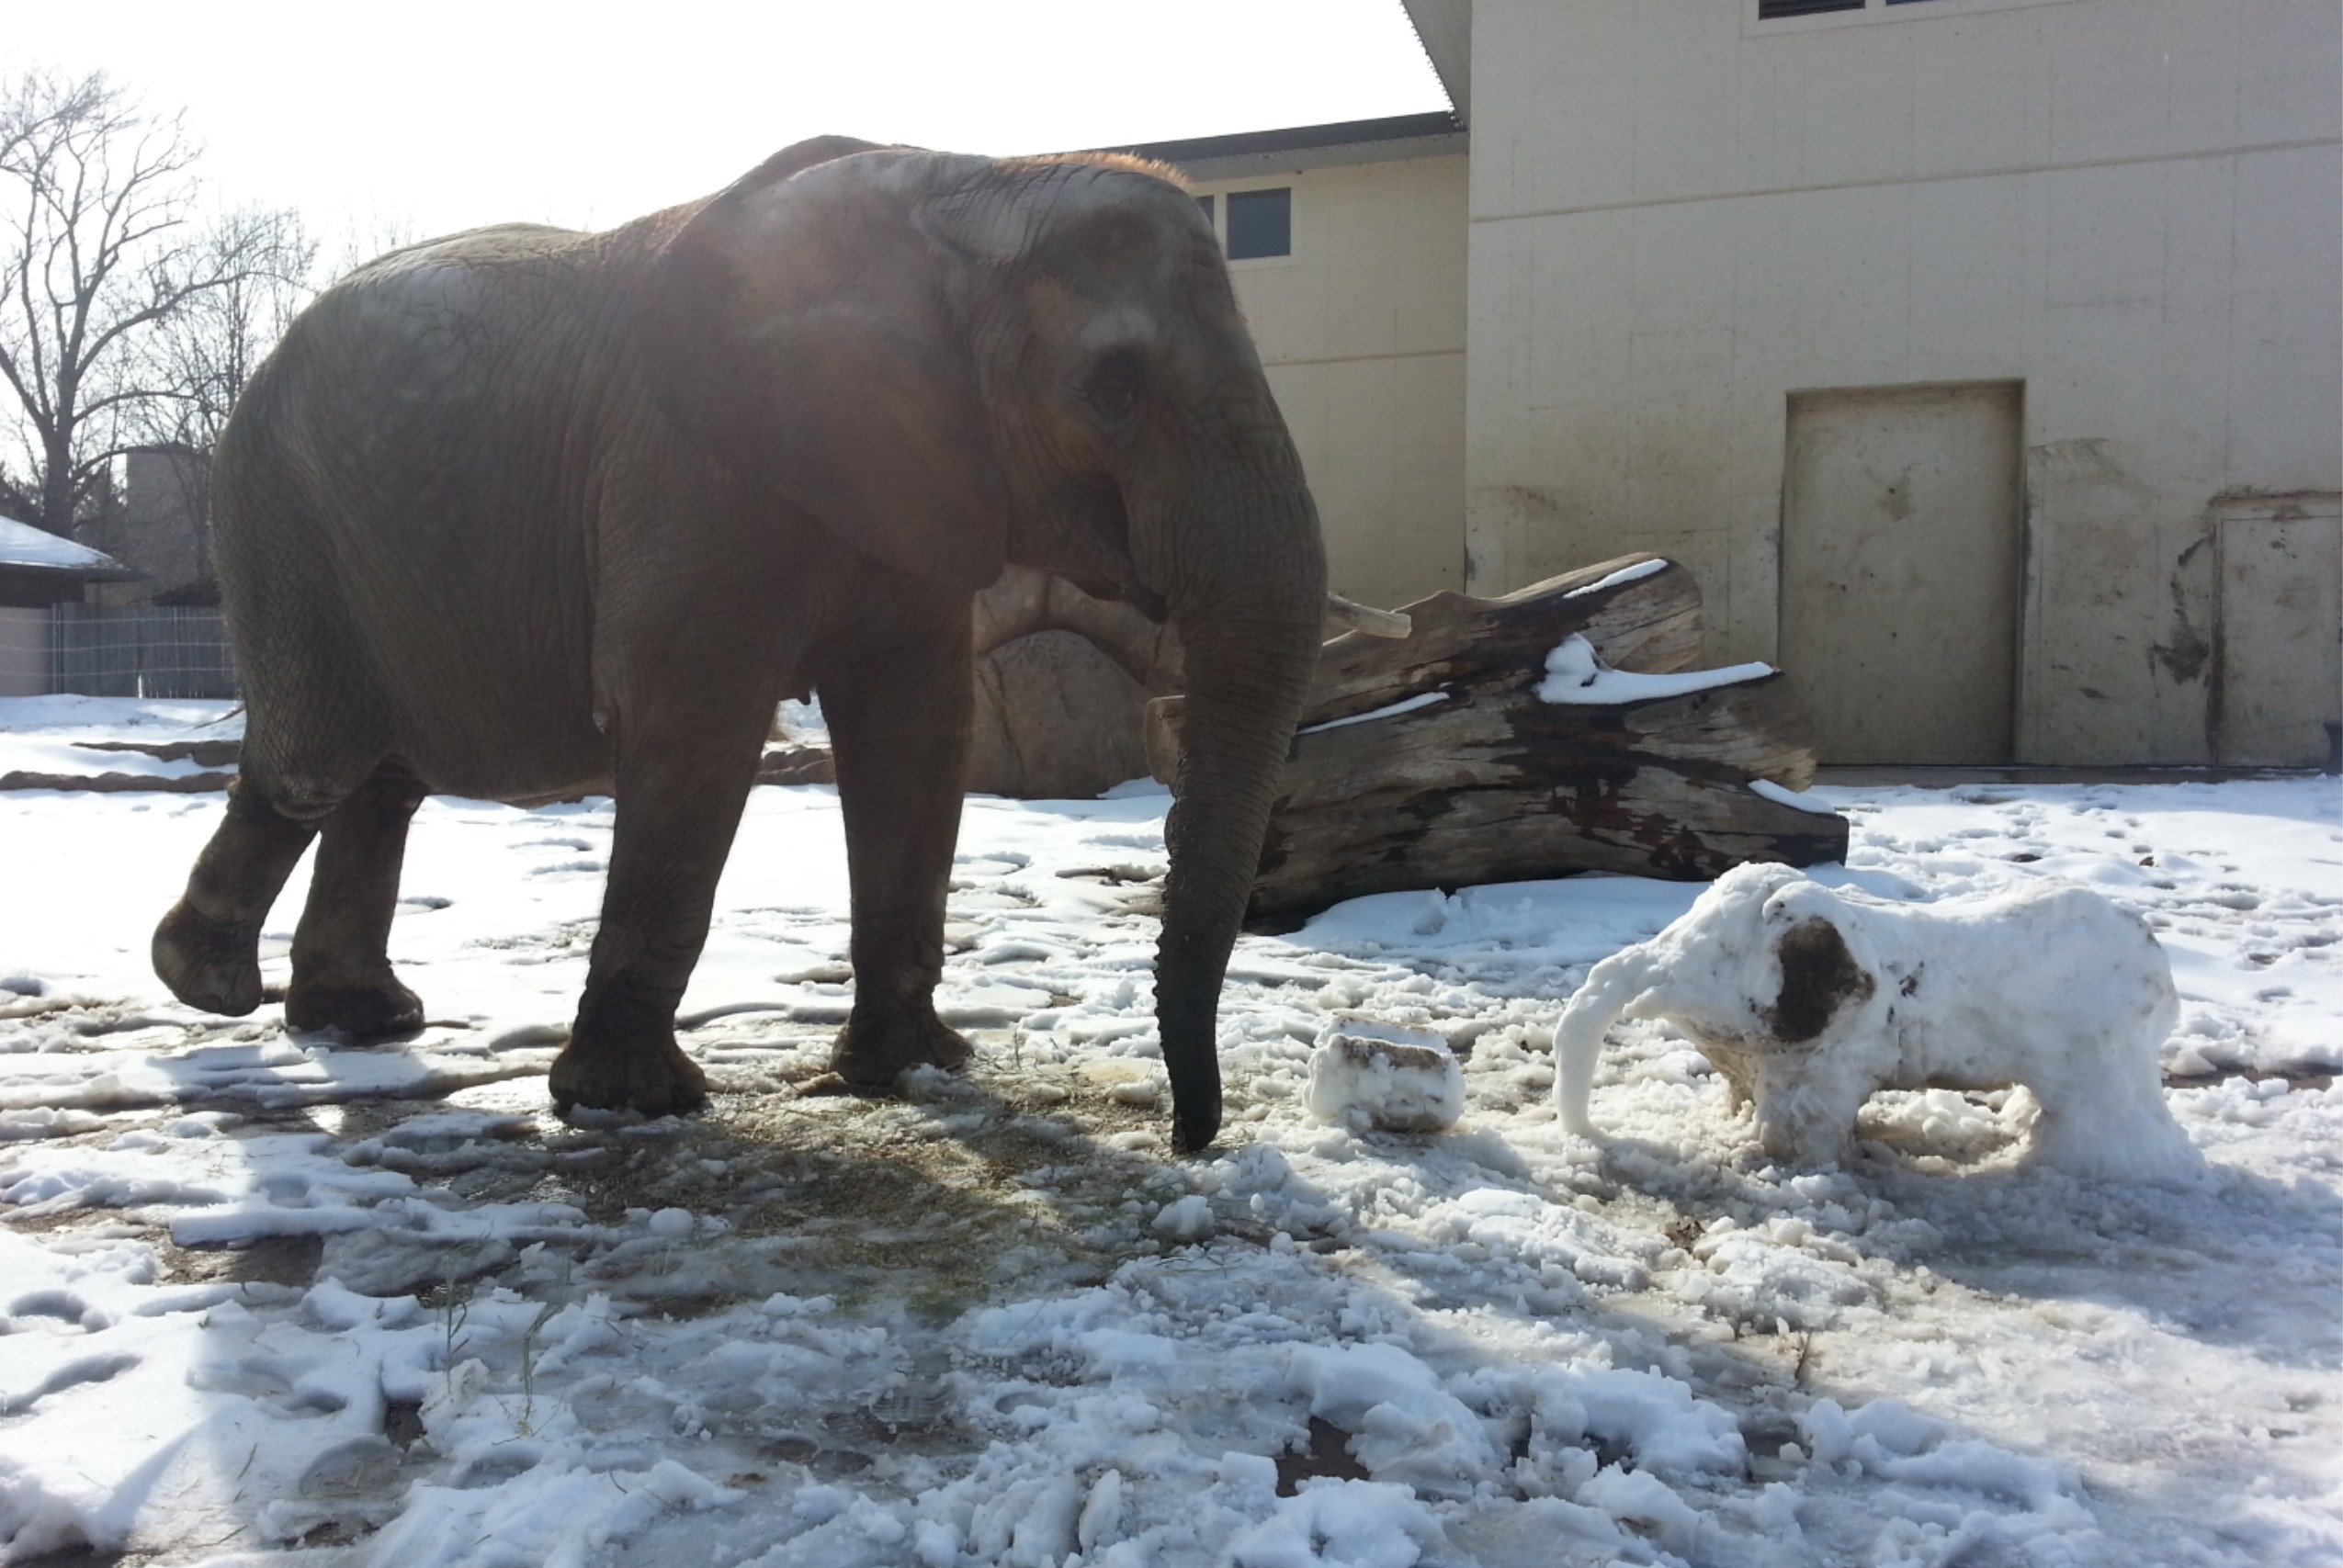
{"points": [[526, 512]]}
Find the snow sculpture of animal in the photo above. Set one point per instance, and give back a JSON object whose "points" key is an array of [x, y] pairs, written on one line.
{"points": [[1809, 1000]]}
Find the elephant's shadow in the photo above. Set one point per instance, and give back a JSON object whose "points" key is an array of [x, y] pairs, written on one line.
{"points": [[2037, 1233], [940, 1190]]}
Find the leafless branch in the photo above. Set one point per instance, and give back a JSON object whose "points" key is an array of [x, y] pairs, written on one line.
{"points": [[131, 312]]}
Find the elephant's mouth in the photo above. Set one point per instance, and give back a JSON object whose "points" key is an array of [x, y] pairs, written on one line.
{"points": [[1115, 529], [1147, 601]]}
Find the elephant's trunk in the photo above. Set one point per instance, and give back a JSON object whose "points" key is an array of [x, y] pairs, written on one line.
{"points": [[1249, 609]]}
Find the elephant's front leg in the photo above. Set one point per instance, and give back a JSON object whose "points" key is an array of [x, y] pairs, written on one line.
{"points": [[899, 729], [685, 770]]}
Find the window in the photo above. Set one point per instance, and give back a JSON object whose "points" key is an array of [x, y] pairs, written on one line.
{"points": [[1251, 225], [1865, 10], [1260, 223], [1830, 13]]}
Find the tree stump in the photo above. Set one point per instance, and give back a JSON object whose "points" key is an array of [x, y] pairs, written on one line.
{"points": [[1433, 762]]}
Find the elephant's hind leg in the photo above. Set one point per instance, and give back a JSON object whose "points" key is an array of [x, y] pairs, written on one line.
{"points": [[207, 949], [342, 977]]}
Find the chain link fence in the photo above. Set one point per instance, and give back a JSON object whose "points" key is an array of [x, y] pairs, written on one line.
{"points": [[147, 651]]}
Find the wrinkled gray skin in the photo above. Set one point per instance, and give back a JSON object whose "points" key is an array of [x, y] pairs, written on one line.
{"points": [[525, 512]]}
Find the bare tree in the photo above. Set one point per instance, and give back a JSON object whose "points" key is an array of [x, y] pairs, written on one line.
{"points": [[197, 357], [377, 234], [19, 500], [103, 251]]}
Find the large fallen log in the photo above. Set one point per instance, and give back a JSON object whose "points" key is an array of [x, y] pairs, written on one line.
{"points": [[1551, 731]]}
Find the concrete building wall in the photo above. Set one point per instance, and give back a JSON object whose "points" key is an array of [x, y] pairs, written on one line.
{"points": [[1361, 329], [156, 528], [1681, 216], [24, 651]]}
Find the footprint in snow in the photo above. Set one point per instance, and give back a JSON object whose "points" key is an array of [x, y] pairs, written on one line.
{"points": [[361, 1465], [72, 1375], [65, 1310]]}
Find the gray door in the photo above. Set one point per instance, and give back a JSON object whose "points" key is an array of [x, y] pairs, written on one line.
{"points": [[2281, 701], [1900, 570]]}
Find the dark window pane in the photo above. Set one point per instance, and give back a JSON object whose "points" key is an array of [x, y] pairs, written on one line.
{"points": [[1206, 202], [1767, 10], [1260, 223]]}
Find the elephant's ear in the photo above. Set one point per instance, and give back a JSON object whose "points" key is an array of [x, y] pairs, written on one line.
{"points": [[801, 330]]}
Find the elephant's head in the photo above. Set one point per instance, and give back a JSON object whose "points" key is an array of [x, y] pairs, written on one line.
{"points": [[955, 362]]}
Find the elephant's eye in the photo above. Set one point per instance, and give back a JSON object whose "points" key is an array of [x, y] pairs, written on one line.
{"points": [[1112, 387]]}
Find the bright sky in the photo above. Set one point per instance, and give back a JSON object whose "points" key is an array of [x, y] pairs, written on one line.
{"points": [[441, 116]]}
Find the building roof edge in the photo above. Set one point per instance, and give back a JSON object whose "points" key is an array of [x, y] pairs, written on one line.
{"points": [[1284, 145]]}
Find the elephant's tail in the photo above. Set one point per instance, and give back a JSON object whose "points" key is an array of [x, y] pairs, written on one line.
{"points": [[1578, 1038]]}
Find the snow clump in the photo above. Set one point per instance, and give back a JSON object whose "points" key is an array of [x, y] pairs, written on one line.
{"points": [[1367, 1074]]}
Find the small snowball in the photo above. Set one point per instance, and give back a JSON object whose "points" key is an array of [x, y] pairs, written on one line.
{"points": [[1187, 1219], [671, 1223], [1365, 1074]]}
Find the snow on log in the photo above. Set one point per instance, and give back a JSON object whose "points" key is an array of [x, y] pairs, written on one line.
{"points": [[1554, 731]]}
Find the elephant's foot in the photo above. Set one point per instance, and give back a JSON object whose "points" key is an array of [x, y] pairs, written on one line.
{"points": [[208, 963], [872, 1056], [364, 1007], [652, 1076]]}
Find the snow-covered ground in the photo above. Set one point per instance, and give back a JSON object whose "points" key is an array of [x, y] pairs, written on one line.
{"points": [[270, 1300]]}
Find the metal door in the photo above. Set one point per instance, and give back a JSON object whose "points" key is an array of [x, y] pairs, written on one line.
{"points": [[1900, 569]]}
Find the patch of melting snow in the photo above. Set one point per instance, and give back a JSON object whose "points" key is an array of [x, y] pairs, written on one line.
{"points": [[258, 1292]]}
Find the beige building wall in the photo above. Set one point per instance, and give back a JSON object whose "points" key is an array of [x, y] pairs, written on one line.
{"points": [[1361, 329], [24, 651], [1680, 216]]}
